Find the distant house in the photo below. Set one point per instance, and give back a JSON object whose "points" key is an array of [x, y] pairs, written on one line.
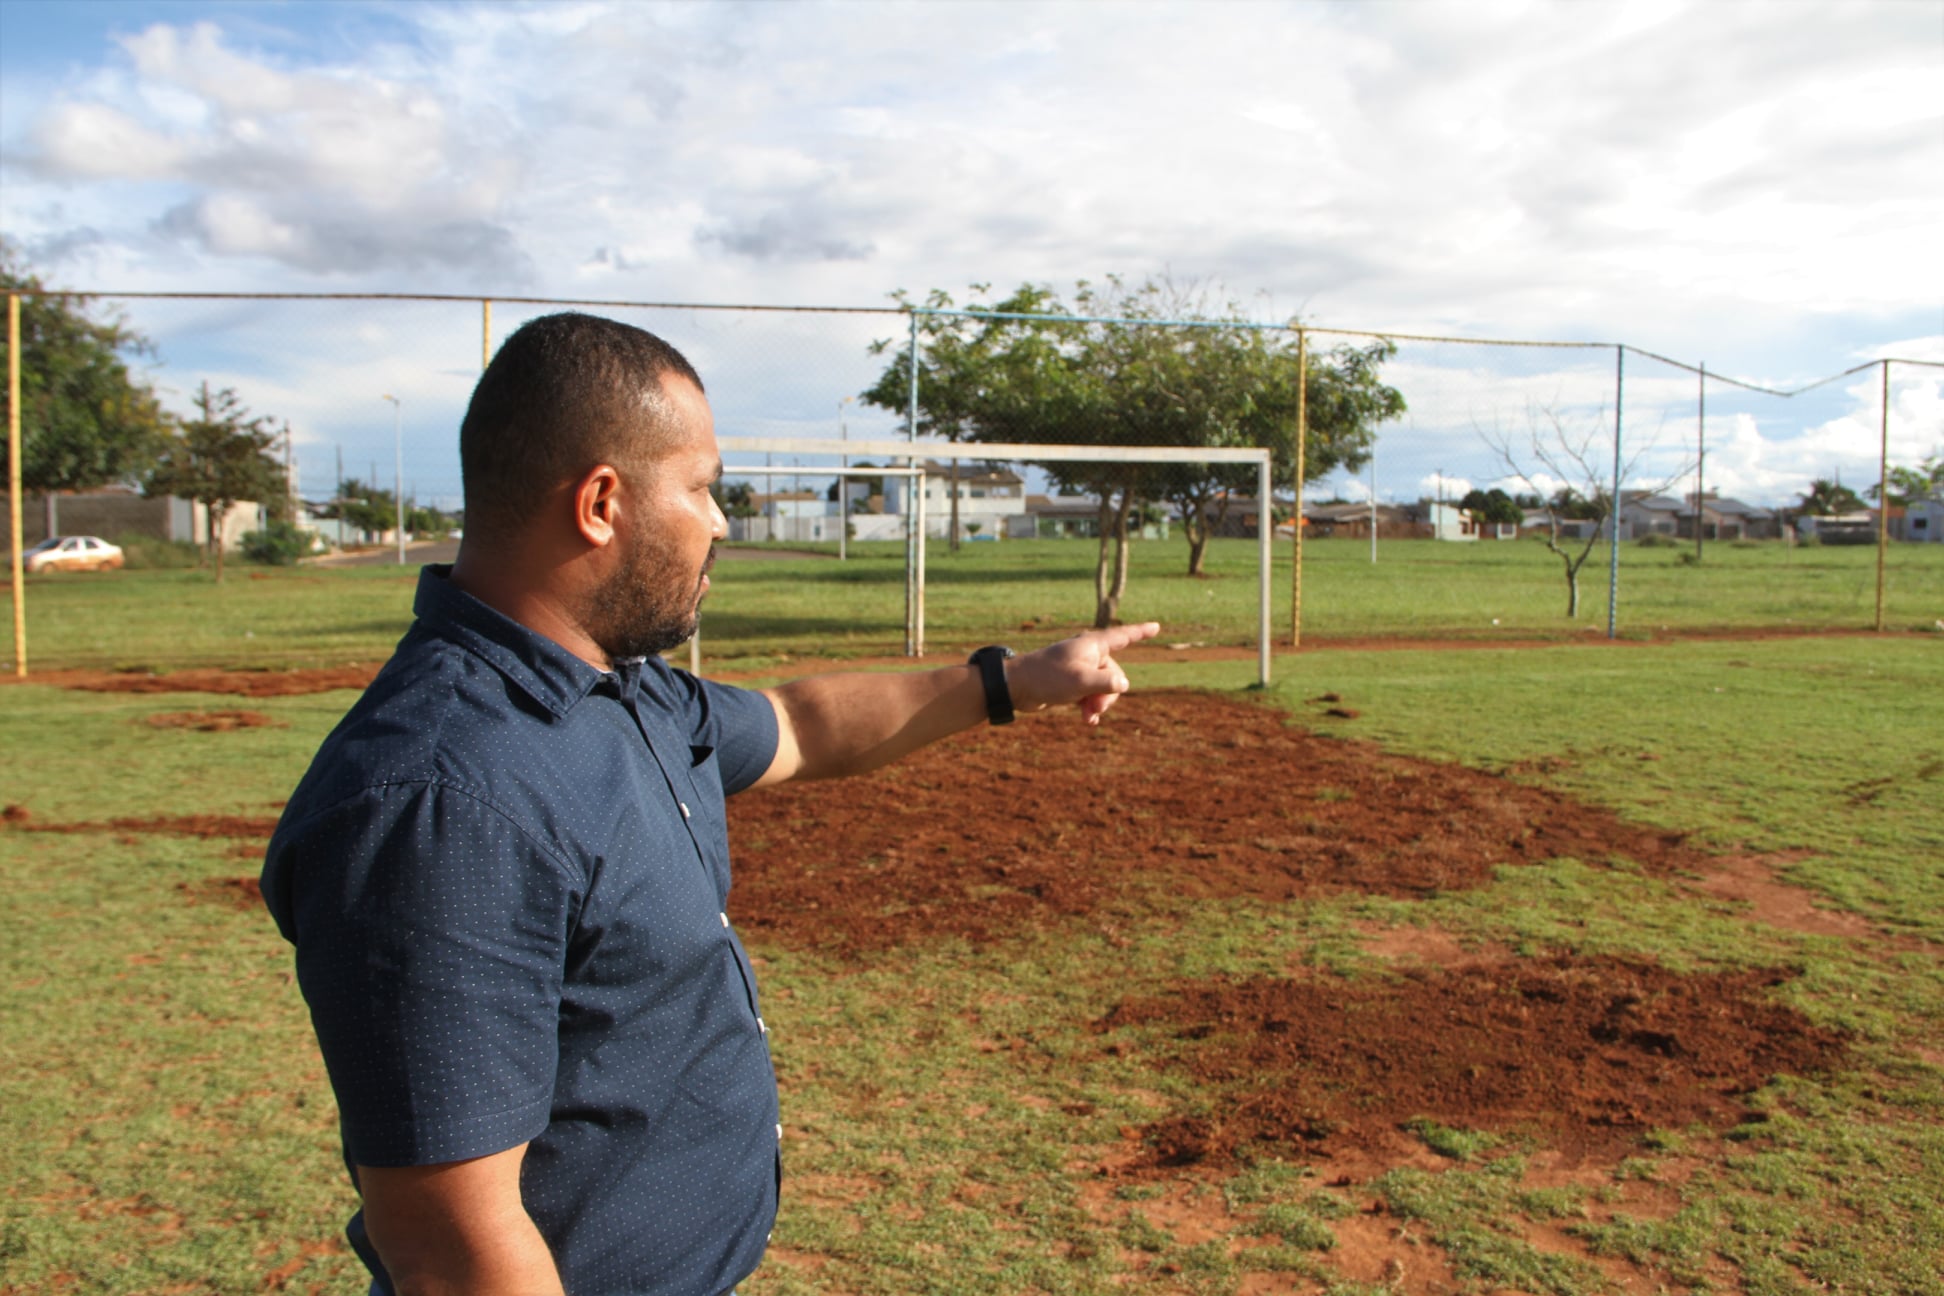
{"points": [[992, 499], [1645, 514], [1923, 521], [1838, 528], [1730, 519], [1235, 518], [1539, 522], [1354, 520]]}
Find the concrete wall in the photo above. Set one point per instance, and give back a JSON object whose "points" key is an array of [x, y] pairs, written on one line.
{"points": [[111, 515]]}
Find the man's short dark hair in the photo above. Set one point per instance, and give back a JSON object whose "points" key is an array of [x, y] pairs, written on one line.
{"points": [[564, 393]]}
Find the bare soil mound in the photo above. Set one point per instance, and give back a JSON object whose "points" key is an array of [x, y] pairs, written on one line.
{"points": [[243, 683], [1174, 795], [210, 721], [1585, 1053], [230, 892], [206, 826]]}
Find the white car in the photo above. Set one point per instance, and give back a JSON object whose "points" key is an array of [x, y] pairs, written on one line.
{"points": [[72, 553]]}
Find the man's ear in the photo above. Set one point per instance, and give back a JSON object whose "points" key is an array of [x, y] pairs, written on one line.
{"points": [[597, 505]]}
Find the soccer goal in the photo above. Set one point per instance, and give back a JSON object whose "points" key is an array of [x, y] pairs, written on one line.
{"points": [[914, 452]]}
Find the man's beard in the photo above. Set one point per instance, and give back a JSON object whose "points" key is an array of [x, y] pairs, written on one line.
{"points": [[636, 613]]}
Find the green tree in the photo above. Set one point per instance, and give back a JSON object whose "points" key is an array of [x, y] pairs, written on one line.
{"points": [[1826, 498], [1492, 505], [423, 519], [219, 458], [1106, 369], [735, 499], [1909, 485], [368, 508], [85, 419]]}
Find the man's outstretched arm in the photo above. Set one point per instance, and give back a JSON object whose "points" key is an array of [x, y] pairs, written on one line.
{"points": [[829, 726]]}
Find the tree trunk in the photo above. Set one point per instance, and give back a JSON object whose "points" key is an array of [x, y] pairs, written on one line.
{"points": [[1199, 527], [216, 516], [1106, 535], [1572, 591], [955, 507], [1108, 606], [1195, 526], [1197, 551]]}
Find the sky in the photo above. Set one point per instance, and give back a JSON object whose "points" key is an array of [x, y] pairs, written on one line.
{"points": [[1757, 186]]}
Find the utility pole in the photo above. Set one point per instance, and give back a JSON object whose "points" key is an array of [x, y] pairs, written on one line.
{"points": [[398, 469], [337, 497], [290, 474], [843, 485], [1373, 501], [1700, 456]]}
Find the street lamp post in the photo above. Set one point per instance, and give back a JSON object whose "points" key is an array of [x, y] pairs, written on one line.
{"points": [[398, 469], [843, 484]]}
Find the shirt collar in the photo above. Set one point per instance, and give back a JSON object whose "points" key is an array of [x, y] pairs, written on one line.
{"points": [[541, 668]]}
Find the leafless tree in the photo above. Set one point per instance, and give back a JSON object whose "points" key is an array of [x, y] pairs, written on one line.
{"points": [[1578, 456]]}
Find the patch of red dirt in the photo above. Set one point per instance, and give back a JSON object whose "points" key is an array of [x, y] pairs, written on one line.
{"points": [[1175, 795], [211, 721], [1586, 1053], [202, 825], [1751, 880], [242, 683], [231, 892]]}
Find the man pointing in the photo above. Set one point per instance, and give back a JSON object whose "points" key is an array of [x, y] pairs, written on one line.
{"points": [[506, 873]]}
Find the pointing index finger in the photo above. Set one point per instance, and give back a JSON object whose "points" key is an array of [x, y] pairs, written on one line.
{"points": [[1121, 636]]}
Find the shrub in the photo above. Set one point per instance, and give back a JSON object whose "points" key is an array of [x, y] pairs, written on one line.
{"points": [[1657, 541], [278, 545], [146, 553]]}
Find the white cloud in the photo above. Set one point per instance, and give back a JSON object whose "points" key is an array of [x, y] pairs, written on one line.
{"points": [[1730, 180]]}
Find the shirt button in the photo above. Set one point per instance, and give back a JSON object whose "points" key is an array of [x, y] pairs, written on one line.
{"points": [[725, 918], [779, 1133], [685, 809], [760, 1027]]}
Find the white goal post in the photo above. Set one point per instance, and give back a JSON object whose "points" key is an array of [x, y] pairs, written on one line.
{"points": [[1014, 452]]}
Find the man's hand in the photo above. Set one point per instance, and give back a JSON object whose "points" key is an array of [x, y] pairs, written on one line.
{"points": [[1081, 669]]}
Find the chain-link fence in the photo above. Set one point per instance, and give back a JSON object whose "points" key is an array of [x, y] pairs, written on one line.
{"points": [[1401, 431]]}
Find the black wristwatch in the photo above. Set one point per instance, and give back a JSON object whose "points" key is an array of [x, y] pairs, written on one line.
{"points": [[991, 661]]}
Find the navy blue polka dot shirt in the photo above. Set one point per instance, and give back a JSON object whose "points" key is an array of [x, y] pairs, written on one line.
{"points": [[506, 876]]}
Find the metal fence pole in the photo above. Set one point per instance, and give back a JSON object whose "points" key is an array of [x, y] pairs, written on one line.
{"points": [[1883, 490], [1265, 550], [485, 333], [912, 539], [1302, 448], [13, 484], [1613, 511]]}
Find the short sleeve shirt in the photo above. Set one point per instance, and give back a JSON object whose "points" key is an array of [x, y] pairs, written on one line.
{"points": [[506, 876]]}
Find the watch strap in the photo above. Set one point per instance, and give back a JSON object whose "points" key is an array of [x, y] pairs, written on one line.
{"points": [[991, 661]]}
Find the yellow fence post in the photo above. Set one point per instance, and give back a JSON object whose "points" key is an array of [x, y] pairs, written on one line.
{"points": [[1302, 446], [485, 333], [13, 482]]}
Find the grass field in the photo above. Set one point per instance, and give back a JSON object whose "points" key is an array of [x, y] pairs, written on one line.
{"points": [[761, 609], [165, 1125]]}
